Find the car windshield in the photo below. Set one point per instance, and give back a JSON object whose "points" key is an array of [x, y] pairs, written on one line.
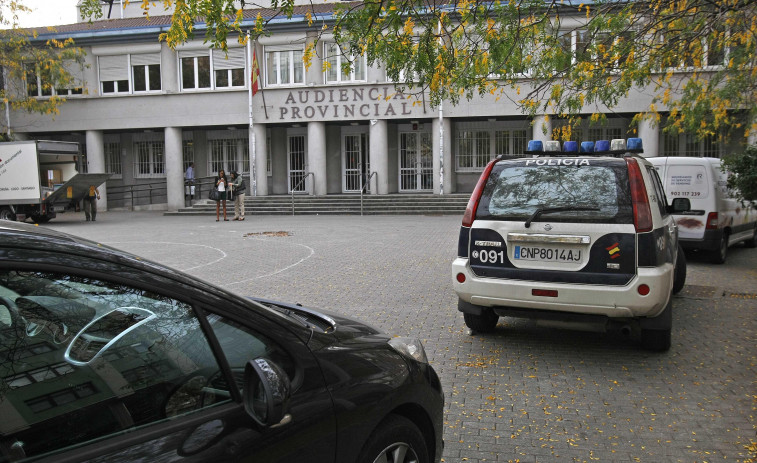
{"points": [[571, 190]]}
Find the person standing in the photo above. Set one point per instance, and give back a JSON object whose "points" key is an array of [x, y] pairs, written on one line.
{"points": [[189, 180], [238, 189], [90, 203], [221, 184]]}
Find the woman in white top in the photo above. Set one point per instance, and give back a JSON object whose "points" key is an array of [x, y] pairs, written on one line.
{"points": [[221, 187]]}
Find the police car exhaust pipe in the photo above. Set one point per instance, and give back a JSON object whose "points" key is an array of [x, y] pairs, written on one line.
{"points": [[625, 330]]}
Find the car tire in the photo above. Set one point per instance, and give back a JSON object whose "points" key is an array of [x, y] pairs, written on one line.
{"points": [[396, 439], [484, 323], [679, 279], [752, 242], [657, 339], [718, 255], [7, 214]]}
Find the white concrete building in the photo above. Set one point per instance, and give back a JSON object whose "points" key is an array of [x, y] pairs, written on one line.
{"points": [[146, 112]]}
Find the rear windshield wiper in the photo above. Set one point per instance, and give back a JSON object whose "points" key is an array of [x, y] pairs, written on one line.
{"points": [[547, 210]]}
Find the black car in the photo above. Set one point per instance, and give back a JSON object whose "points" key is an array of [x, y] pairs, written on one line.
{"points": [[108, 357]]}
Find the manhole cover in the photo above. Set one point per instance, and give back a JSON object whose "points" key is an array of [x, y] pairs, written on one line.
{"points": [[698, 291], [269, 233]]}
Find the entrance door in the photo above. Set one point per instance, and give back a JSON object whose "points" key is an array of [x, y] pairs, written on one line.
{"points": [[416, 161], [297, 163], [356, 164]]}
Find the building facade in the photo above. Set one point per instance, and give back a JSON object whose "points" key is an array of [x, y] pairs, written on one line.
{"points": [[144, 112]]}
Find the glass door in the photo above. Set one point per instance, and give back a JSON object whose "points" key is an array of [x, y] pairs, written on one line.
{"points": [[416, 161], [297, 163], [356, 164]]}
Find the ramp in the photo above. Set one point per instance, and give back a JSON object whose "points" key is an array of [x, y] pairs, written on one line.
{"points": [[76, 188]]}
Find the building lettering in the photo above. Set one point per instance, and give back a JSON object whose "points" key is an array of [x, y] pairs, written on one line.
{"points": [[344, 103]]}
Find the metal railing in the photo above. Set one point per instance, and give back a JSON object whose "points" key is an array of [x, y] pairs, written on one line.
{"points": [[296, 187], [367, 184], [147, 194], [137, 195]]}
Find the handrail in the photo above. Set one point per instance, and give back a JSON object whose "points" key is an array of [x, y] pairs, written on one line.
{"points": [[298, 185], [367, 184]]}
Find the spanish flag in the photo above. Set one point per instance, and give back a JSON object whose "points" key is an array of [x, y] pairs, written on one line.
{"points": [[255, 74]]}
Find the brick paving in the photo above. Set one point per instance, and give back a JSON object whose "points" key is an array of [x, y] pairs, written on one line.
{"points": [[526, 393]]}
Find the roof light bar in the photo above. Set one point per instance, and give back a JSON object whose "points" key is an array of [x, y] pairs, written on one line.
{"points": [[570, 147], [552, 146], [602, 146], [535, 146], [587, 147]]}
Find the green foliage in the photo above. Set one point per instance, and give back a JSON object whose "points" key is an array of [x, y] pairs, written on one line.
{"points": [[696, 59], [743, 168], [23, 61]]}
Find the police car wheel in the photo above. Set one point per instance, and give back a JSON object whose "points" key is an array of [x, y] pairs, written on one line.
{"points": [[484, 323], [655, 340], [679, 279]]}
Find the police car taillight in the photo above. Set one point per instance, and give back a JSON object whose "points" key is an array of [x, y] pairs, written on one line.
{"points": [[470, 209], [642, 213]]}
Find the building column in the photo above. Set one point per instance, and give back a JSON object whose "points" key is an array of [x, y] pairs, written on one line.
{"points": [[174, 169], [649, 132], [378, 156], [444, 166], [96, 163], [317, 157], [260, 162], [542, 128], [752, 137]]}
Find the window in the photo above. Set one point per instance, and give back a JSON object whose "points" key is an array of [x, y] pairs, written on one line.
{"points": [[188, 151], [113, 158], [516, 188], [229, 68], [474, 151], [335, 72], [284, 66], [114, 74], [104, 358], [662, 201], [146, 72], [478, 143], [510, 142], [228, 152], [213, 69], [42, 83], [688, 145], [149, 159], [195, 69], [268, 153]]}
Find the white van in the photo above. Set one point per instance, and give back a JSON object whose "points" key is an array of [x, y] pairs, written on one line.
{"points": [[716, 220]]}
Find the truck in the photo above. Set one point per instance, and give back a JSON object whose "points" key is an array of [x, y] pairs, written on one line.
{"points": [[39, 178]]}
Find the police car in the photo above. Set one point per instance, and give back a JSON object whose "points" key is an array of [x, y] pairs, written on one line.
{"points": [[580, 236]]}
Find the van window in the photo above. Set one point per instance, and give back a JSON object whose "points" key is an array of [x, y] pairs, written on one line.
{"points": [[516, 189], [686, 181]]}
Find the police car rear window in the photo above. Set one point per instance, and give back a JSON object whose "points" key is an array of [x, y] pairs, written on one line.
{"points": [[599, 188]]}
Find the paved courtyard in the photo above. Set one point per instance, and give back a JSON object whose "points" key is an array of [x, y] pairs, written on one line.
{"points": [[525, 393]]}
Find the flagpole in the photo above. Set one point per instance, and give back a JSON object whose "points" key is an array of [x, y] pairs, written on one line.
{"points": [[251, 134]]}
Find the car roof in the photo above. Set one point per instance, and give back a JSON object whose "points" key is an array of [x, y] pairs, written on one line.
{"points": [[17, 235]]}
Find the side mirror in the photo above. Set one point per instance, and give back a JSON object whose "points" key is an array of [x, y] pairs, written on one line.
{"points": [[266, 392], [680, 205]]}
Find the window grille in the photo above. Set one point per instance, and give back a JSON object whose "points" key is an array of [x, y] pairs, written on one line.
{"points": [[149, 159], [113, 159]]}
